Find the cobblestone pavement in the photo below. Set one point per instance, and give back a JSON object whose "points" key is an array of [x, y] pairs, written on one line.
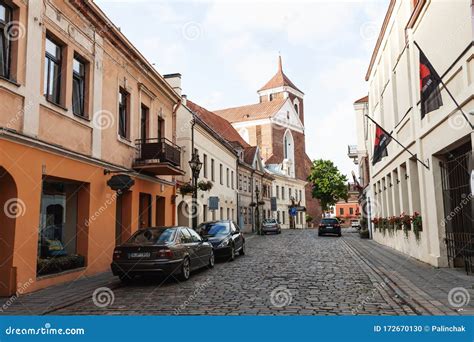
{"points": [[295, 273]]}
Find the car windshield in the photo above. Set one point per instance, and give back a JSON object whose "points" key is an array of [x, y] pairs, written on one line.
{"points": [[329, 221], [153, 236], [269, 221], [214, 229]]}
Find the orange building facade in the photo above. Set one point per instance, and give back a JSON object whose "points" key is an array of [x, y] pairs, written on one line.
{"points": [[87, 143]]}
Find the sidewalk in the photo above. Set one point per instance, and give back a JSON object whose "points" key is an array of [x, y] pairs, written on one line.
{"points": [[422, 286], [55, 297]]}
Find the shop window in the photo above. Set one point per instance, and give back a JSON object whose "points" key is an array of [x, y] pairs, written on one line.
{"points": [[58, 233]]}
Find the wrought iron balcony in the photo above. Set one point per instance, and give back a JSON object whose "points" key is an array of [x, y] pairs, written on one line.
{"points": [[158, 157]]}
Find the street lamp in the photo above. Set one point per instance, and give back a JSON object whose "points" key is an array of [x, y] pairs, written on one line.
{"points": [[257, 210], [195, 165]]}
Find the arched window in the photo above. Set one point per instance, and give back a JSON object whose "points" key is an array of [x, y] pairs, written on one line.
{"points": [[296, 108], [289, 152]]}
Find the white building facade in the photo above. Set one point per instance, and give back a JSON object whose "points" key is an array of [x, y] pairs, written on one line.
{"points": [[443, 139]]}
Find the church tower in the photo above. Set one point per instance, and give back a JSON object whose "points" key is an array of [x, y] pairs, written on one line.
{"points": [[281, 87]]}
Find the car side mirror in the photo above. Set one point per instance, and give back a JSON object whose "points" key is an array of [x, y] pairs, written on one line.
{"points": [[204, 239]]}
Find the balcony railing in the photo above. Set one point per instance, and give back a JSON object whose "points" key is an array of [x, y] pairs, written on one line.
{"points": [[158, 156]]}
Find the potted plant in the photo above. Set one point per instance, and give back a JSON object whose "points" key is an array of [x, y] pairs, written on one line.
{"points": [[186, 188], [417, 224], [376, 222], [205, 185], [253, 204], [406, 223], [261, 202]]}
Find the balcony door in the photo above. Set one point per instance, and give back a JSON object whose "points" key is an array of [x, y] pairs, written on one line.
{"points": [[144, 123], [161, 128]]}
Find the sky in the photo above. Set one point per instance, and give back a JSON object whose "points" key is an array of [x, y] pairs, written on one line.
{"points": [[227, 50]]}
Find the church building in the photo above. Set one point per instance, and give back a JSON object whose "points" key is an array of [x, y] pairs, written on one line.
{"points": [[276, 126]]}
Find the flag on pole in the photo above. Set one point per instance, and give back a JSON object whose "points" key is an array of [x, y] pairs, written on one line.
{"points": [[382, 139], [429, 86]]}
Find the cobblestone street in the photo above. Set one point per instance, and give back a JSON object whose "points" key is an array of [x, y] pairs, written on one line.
{"points": [[296, 272]]}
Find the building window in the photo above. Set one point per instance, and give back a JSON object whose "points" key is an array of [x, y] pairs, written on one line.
{"points": [[124, 99], [278, 191], [301, 196], [284, 217], [5, 42], [58, 234], [227, 175], [78, 87], [289, 193], [228, 213], [232, 180], [250, 185], [296, 108], [341, 211], [204, 165], [221, 213], [144, 123], [221, 176], [232, 218], [213, 178], [351, 211], [204, 213], [282, 192], [52, 71], [278, 216], [270, 97], [240, 181], [161, 128]]}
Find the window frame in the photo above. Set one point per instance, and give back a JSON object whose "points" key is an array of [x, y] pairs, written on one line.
{"points": [[83, 82], [125, 108], [7, 42], [49, 61]]}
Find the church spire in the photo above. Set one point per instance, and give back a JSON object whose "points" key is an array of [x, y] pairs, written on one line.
{"points": [[280, 64], [279, 79]]}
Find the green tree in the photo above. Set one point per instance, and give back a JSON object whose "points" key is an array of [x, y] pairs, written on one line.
{"points": [[329, 185]]}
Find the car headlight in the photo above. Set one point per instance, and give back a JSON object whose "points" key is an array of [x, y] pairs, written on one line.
{"points": [[224, 243]]}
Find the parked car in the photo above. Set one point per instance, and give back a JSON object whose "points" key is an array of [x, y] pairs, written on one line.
{"points": [[355, 224], [271, 225], [329, 226], [225, 236], [162, 250]]}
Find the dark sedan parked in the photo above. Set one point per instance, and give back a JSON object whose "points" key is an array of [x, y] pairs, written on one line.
{"points": [[329, 226], [271, 226], [162, 250], [225, 237]]}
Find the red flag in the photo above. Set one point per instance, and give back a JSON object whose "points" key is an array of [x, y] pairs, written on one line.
{"points": [[382, 139], [429, 87]]}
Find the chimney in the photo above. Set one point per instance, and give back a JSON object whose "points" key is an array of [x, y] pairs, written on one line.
{"points": [[174, 80]]}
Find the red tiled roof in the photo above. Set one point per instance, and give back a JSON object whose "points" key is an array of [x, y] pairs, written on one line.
{"points": [[362, 100], [279, 80], [218, 124], [256, 111], [249, 154]]}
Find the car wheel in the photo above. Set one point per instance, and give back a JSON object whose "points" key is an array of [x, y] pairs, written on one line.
{"points": [[212, 260], [232, 253], [242, 250], [320, 234], [339, 234], [185, 269], [279, 232]]}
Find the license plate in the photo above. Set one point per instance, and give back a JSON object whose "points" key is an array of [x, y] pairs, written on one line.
{"points": [[139, 255]]}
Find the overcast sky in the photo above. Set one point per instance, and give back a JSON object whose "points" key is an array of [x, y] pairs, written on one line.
{"points": [[226, 51]]}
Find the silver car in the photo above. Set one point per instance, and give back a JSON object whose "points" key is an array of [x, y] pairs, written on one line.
{"points": [[271, 226]]}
